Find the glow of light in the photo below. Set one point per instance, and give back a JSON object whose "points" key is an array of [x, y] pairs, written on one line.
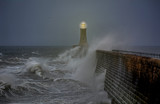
{"points": [[83, 25]]}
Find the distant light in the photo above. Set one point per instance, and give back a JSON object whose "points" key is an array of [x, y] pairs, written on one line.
{"points": [[83, 25]]}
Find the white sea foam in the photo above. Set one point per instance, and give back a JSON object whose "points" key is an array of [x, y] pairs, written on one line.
{"points": [[37, 66]]}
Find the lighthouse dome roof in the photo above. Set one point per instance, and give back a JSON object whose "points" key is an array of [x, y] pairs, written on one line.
{"points": [[83, 25]]}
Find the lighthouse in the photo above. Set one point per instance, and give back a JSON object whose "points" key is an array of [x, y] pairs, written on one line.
{"points": [[83, 44], [83, 37]]}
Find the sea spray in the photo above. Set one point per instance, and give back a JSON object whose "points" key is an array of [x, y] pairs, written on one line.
{"points": [[7, 79], [83, 68], [85, 72], [68, 55]]}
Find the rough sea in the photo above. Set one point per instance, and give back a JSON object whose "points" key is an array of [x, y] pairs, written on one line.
{"points": [[53, 75], [49, 75]]}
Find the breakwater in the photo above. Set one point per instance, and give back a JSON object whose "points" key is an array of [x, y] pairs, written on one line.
{"points": [[130, 78]]}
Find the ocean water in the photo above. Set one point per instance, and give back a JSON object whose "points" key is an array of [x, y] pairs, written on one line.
{"points": [[50, 75], [54, 75]]}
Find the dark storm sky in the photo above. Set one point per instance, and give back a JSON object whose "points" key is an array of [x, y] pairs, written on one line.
{"points": [[56, 22]]}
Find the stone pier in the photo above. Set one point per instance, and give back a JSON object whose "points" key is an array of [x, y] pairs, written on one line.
{"points": [[130, 78]]}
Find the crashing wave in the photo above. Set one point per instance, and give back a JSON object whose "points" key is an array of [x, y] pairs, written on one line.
{"points": [[36, 67]]}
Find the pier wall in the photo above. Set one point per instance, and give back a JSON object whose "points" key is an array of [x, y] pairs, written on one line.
{"points": [[130, 79]]}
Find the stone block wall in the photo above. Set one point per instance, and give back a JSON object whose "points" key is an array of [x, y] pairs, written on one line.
{"points": [[130, 79]]}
